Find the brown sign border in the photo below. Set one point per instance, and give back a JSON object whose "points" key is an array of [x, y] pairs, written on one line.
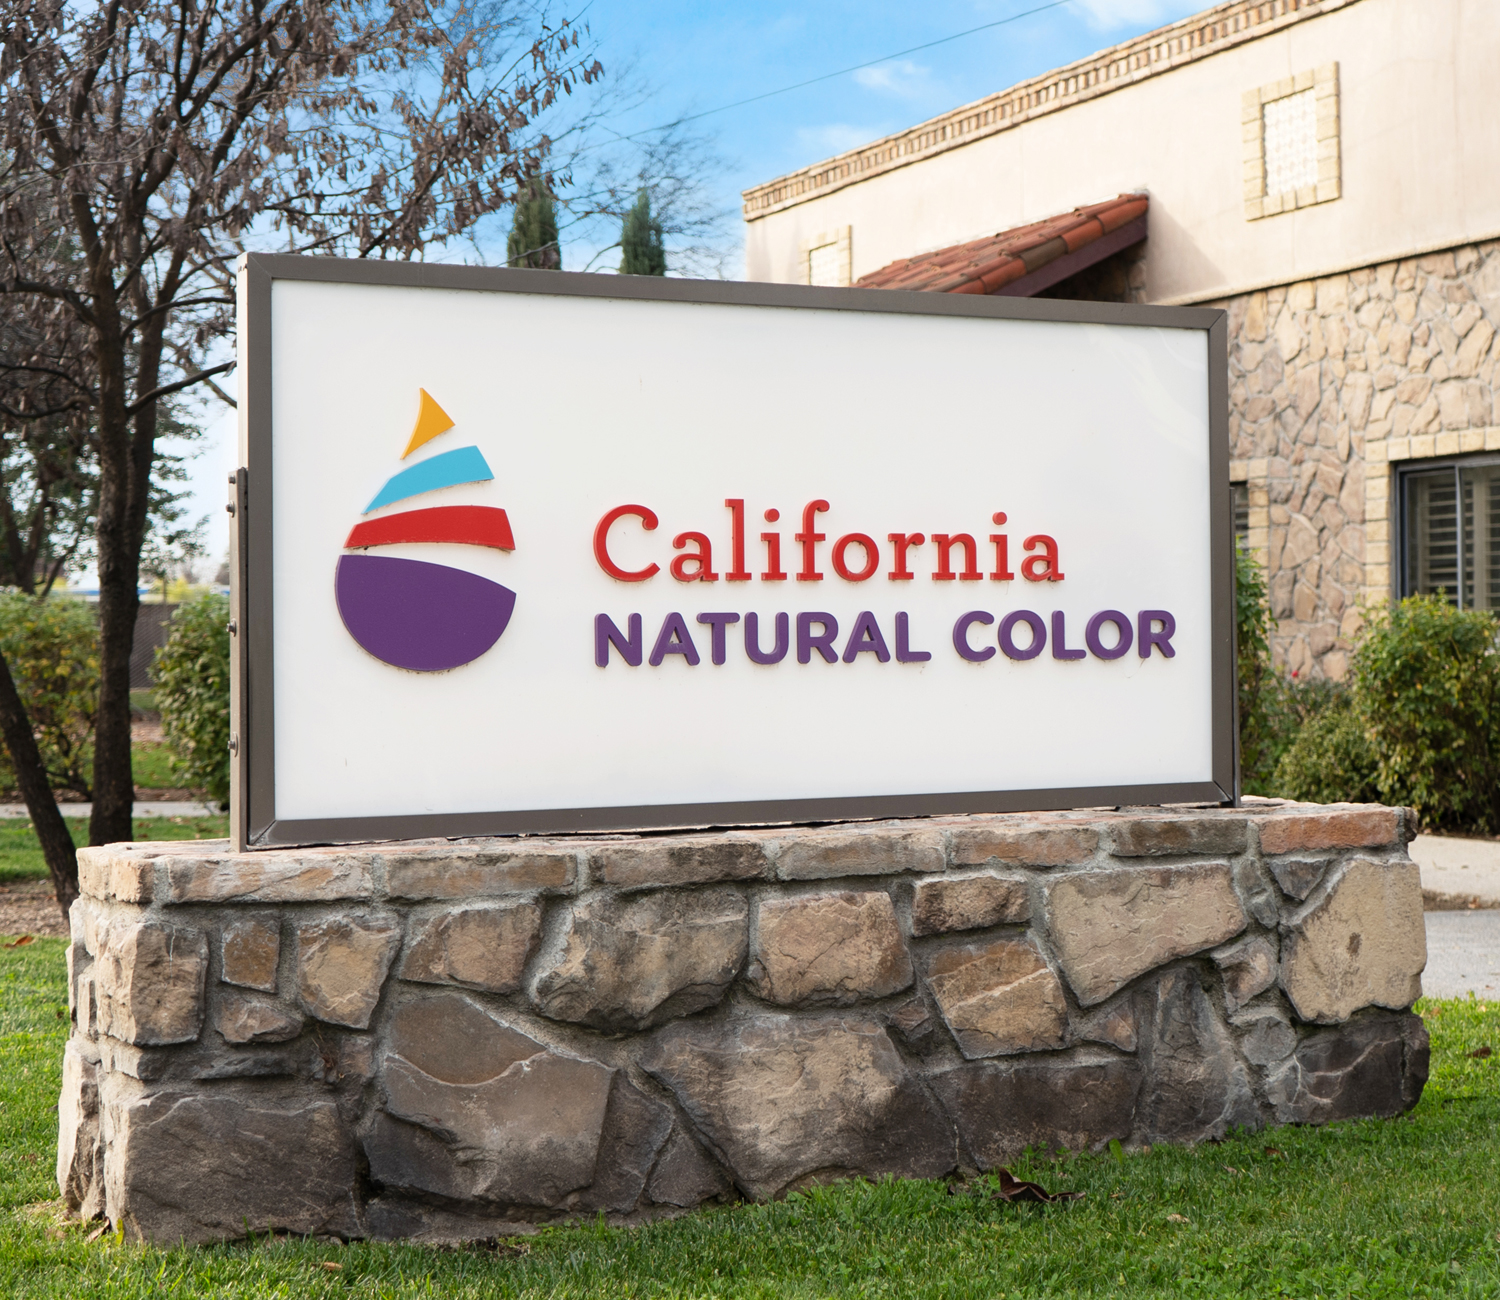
{"points": [[253, 819]]}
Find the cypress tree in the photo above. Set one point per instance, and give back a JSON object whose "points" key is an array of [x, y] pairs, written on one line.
{"points": [[641, 241], [533, 230]]}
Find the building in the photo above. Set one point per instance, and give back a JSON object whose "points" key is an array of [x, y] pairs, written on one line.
{"points": [[1328, 171]]}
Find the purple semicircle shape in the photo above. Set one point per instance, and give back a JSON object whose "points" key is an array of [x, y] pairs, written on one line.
{"points": [[426, 617]]}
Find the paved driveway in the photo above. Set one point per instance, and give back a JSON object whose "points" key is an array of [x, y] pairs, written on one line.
{"points": [[1463, 953], [1458, 872]]}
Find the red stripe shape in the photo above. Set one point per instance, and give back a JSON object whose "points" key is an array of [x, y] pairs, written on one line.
{"points": [[467, 525]]}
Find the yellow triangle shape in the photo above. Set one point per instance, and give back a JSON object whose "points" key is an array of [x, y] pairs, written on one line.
{"points": [[431, 421]]}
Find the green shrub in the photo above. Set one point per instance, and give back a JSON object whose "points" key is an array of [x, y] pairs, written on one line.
{"points": [[1418, 724], [52, 647], [1427, 680], [1331, 759], [192, 692], [1258, 703], [1273, 707]]}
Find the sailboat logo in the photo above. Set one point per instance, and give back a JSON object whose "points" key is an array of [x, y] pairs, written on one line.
{"points": [[410, 613]]}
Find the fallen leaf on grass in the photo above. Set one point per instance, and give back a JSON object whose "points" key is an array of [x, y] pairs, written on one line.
{"points": [[98, 1232], [1018, 1189], [1483, 1053], [1276, 1151], [1178, 1218], [22, 941], [332, 1267]]}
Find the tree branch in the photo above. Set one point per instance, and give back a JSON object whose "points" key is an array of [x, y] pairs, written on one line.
{"points": [[166, 390]]}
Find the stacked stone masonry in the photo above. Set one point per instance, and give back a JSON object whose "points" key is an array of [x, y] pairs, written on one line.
{"points": [[1331, 382], [456, 1040]]}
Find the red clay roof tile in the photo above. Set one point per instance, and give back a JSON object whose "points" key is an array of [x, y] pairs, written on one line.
{"points": [[987, 265], [1085, 232], [1118, 215], [1038, 255], [1011, 269]]}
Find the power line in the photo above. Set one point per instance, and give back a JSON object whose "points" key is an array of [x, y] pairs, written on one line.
{"points": [[829, 76]]}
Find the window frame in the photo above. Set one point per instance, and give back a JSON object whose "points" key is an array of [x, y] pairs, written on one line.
{"points": [[1239, 488], [1405, 472]]}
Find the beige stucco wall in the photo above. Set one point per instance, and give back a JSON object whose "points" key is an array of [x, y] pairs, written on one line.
{"points": [[1420, 147]]}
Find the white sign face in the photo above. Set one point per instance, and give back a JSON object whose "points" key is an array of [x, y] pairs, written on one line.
{"points": [[578, 560]]}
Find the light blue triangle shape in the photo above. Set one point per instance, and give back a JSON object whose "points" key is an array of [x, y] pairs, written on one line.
{"points": [[461, 465]]}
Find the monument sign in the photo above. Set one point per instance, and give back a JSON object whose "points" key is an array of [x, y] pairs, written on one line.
{"points": [[521, 551]]}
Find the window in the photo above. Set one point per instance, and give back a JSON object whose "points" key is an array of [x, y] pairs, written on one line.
{"points": [[827, 258], [1450, 532], [1239, 506], [1291, 143]]}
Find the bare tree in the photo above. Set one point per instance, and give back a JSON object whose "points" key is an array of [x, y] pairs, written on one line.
{"points": [[168, 135]]}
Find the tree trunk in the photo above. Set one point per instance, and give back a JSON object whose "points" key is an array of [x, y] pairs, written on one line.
{"points": [[118, 553], [31, 775], [114, 784]]}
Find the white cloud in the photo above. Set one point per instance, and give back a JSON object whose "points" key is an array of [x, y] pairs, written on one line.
{"points": [[901, 77], [1125, 13]]}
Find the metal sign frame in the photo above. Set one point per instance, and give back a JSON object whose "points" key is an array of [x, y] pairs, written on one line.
{"points": [[253, 819]]}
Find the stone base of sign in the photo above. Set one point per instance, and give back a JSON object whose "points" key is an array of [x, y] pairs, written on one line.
{"points": [[455, 1040]]}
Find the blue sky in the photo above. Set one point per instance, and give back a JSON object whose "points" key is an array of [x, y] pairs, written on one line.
{"points": [[699, 56]]}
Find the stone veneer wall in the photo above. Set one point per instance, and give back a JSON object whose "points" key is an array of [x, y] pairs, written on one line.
{"points": [[1120, 277], [1330, 382], [453, 1040]]}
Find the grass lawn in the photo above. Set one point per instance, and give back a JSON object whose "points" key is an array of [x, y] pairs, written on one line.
{"points": [[1402, 1208], [21, 855], [151, 767]]}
